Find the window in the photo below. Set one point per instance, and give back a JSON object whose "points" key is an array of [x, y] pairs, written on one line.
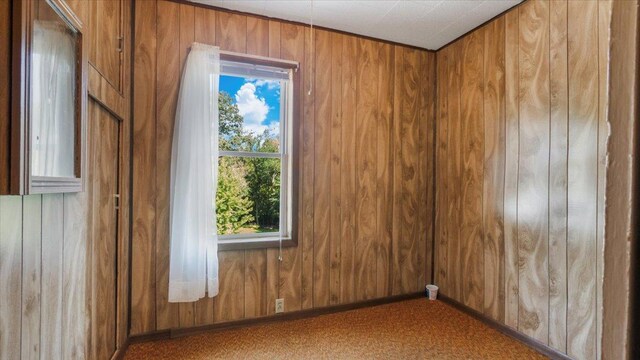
{"points": [[255, 200]]}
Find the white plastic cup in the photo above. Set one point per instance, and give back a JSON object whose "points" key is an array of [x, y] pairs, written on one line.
{"points": [[432, 292]]}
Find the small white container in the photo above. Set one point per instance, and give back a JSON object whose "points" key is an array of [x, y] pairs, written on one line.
{"points": [[432, 292]]}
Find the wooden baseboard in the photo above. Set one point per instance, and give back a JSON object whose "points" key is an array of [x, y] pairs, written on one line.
{"points": [[535, 344], [119, 353], [294, 315]]}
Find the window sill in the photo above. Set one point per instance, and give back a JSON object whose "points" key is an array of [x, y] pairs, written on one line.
{"points": [[229, 245]]}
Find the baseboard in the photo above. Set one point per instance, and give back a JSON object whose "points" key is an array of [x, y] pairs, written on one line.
{"points": [[294, 315], [119, 353], [535, 344]]}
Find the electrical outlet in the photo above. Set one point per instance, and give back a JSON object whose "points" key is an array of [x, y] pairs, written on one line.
{"points": [[279, 305]]}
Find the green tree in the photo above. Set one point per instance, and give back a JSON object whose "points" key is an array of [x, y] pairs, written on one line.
{"points": [[233, 206], [248, 188], [229, 124], [263, 179]]}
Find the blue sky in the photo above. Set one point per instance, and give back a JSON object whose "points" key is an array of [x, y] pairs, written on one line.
{"points": [[257, 99]]}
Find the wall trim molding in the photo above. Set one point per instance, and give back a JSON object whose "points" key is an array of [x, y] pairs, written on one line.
{"points": [[287, 316], [513, 333]]}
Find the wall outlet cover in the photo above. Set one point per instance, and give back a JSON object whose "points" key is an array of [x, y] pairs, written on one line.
{"points": [[279, 305]]}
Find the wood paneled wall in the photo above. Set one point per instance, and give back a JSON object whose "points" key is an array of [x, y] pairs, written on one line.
{"points": [[50, 244], [366, 168], [521, 144]]}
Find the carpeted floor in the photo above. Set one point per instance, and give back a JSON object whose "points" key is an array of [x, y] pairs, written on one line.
{"points": [[414, 329]]}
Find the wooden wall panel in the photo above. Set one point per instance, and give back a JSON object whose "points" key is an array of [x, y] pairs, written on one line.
{"points": [[143, 273], [533, 174], [541, 102], [558, 139], [168, 80], [307, 180], [322, 170], [471, 234], [384, 166], [455, 170], [494, 159], [31, 274], [582, 179], [11, 256], [47, 254], [365, 163], [347, 228], [335, 234], [347, 177], [52, 252], [605, 9], [512, 147], [441, 274], [5, 92]]}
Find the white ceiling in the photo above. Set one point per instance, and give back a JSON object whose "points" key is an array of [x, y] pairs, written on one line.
{"points": [[424, 23]]}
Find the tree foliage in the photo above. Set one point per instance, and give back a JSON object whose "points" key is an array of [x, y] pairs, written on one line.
{"points": [[248, 188]]}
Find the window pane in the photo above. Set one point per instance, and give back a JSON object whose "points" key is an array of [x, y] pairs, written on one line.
{"points": [[248, 196], [53, 95], [249, 114]]}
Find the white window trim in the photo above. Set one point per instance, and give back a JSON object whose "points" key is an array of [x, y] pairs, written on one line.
{"points": [[286, 145]]}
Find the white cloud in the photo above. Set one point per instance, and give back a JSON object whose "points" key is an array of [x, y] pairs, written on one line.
{"points": [[253, 109], [270, 84]]}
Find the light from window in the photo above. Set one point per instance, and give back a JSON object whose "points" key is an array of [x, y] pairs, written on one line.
{"points": [[253, 198]]}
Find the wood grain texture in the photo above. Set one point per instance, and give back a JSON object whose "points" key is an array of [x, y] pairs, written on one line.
{"points": [[455, 170], [582, 178], [427, 165], [346, 221], [335, 233], [384, 168], [143, 303], [75, 323], [51, 279], [622, 201], [365, 163], [545, 90], [11, 255], [106, 22], [512, 146], [5, 90], [322, 169], [558, 142], [52, 276], [442, 182], [471, 103], [167, 79], [494, 160], [307, 180], [347, 177], [31, 276], [533, 174], [104, 224], [605, 8]]}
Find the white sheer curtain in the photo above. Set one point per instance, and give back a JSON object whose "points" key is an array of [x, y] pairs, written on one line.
{"points": [[52, 100], [193, 268]]}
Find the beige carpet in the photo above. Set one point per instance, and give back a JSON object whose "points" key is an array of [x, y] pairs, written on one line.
{"points": [[414, 329]]}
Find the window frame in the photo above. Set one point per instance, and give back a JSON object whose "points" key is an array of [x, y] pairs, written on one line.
{"points": [[290, 149]]}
